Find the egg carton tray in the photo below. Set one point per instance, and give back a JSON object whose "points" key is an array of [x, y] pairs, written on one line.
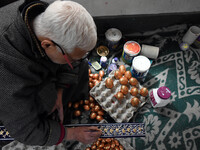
{"points": [[124, 142], [120, 111]]}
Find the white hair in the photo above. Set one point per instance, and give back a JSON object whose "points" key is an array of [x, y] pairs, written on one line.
{"points": [[67, 23]]}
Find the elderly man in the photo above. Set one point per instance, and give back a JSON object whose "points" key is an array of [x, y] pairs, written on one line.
{"points": [[41, 55]]}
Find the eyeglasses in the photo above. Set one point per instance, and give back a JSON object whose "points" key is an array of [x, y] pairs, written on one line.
{"points": [[66, 56]]}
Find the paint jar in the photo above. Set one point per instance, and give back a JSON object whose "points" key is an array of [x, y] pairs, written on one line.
{"points": [[140, 67], [150, 51], [103, 62], [113, 36], [130, 50], [160, 97]]}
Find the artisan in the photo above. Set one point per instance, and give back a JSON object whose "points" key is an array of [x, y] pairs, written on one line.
{"points": [[42, 51]]}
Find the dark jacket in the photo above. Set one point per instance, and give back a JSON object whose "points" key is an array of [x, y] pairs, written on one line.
{"points": [[28, 79]]}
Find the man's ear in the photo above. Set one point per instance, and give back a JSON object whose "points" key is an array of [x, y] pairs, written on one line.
{"points": [[46, 44]]}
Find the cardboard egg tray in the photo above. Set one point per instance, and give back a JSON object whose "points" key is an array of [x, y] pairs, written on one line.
{"points": [[122, 141], [120, 111]]}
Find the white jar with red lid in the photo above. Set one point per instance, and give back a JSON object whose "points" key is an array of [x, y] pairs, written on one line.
{"points": [[160, 97]]}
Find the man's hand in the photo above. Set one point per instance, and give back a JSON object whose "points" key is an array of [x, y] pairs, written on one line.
{"points": [[86, 135], [59, 105]]}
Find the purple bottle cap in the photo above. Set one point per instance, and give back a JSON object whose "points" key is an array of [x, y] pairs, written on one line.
{"points": [[164, 92]]}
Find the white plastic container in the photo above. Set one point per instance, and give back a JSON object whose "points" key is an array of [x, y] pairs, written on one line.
{"points": [[150, 51], [140, 66], [160, 97], [191, 35]]}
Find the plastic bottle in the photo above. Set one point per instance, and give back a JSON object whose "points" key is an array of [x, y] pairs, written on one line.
{"points": [[103, 62], [160, 97], [115, 60]]}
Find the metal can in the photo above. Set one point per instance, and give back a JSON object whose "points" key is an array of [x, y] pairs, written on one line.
{"points": [[130, 50], [160, 97], [102, 50], [113, 36]]}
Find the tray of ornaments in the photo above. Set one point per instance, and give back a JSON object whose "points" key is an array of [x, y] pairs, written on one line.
{"points": [[120, 94], [105, 143], [115, 141]]}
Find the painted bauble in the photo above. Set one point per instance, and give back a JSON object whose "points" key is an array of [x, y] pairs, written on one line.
{"points": [[97, 108], [109, 83], [133, 81], [93, 115], [119, 96], [123, 81], [134, 91], [99, 118], [144, 91], [118, 74], [77, 113], [128, 74], [100, 112], [86, 107], [124, 89], [135, 101], [101, 73], [122, 69]]}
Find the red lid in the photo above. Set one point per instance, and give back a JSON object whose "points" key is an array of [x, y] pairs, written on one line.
{"points": [[133, 47], [164, 92]]}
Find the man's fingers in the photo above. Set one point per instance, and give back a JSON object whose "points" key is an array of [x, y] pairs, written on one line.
{"points": [[95, 134], [93, 128]]}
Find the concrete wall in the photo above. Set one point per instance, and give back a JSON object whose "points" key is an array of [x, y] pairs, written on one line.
{"points": [[133, 7]]}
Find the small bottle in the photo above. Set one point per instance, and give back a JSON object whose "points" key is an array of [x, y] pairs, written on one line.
{"points": [[111, 67], [160, 97], [184, 46], [103, 62], [115, 60]]}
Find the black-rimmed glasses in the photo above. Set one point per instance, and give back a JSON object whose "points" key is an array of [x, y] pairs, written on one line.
{"points": [[66, 56]]}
